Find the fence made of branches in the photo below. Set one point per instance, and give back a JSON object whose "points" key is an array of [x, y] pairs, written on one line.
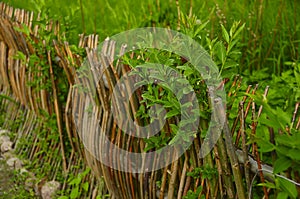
{"points": [[31, 90]]}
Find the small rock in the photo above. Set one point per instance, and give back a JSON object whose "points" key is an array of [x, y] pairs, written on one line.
{"points": [[14, 162], [6, 146], [49, 188], [4, 132], [27, 173], [7, 155], [24, 171], [30, 183], [4, 138]]}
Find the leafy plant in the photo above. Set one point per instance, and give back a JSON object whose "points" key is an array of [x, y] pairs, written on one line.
{"points": [[77, 184], [277, 135], [263, 46], [205, 172], [194, 195], [13, 185]]}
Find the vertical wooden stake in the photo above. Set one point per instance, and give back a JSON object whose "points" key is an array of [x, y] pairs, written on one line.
{"points": [[58, 113]]}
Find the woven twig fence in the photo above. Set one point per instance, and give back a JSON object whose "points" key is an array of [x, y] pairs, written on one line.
{"points": [[25, 106], [29, 103]]}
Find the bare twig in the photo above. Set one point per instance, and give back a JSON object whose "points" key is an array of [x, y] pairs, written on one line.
{"points": [[174, 171], [58, 114], [183, 177], [295, 113], [231, 152], [244, 147], [255, 149]]}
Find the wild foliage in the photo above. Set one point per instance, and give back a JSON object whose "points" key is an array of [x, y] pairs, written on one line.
{"points": [[257, 40]]}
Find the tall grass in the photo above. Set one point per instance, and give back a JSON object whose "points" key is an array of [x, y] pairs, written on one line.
{"points": [[271, 38]]}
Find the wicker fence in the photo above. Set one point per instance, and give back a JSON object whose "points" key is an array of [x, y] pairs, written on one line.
{"points": [[31, 104], [26, 105]]}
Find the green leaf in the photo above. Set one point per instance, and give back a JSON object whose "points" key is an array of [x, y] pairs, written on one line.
{"points": [[86, 172], [294, 154], [271, 121], [201, 27], [232, 44], [267, 184], [238, 31], [187, 90], [183, 67], [220, 51], [225, 34], [63, 197], [282, 150], [282, 116], [187, 105], [182, 81], [20, 55], [188, 122], [265, 146], [176, 104], [282, 164], [75, 193], [172, 113], [230, 65], [167, 104], [148, 97], [288, 187], [148, 147], [297, 76], [282, 195], [174, 139], [75, 181], [174, 128], [25, 29], [283, 140], [85, 186], [199, 189]]}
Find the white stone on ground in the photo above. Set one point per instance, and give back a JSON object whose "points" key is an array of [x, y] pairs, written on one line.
{"points": [[15, 163], [47, 191], [4, 138], [6, 146], [49, 188]]}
